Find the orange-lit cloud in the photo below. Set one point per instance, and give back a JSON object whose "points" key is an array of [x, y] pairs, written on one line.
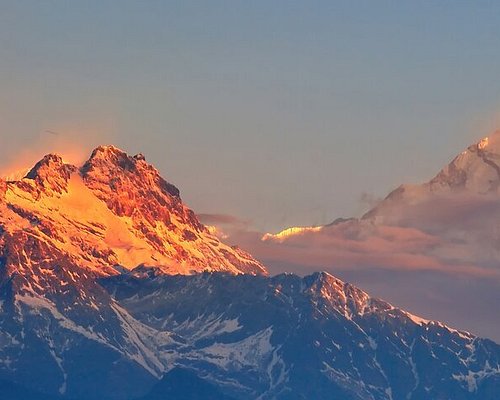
{"points": [[452, 236]]}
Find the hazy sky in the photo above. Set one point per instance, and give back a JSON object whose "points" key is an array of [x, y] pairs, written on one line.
{"points": [[279, 112]]}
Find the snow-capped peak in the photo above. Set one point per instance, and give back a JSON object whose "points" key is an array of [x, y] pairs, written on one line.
{"points": [[51, 173], [475, 171], [115, 210]]}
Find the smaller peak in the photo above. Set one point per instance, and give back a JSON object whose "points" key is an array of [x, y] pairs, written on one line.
{"points": [[48, 163], [51, 172], [53, 157]]}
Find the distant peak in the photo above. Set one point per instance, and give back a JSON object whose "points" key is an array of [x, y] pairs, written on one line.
{"points": [[49, 165], [46, 164], [51, 172]]}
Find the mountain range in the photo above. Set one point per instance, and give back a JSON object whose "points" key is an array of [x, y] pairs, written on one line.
{"points": [[111, 288]]}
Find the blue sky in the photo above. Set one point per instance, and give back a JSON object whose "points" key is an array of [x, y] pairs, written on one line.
{"points": [[279, 112]]}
